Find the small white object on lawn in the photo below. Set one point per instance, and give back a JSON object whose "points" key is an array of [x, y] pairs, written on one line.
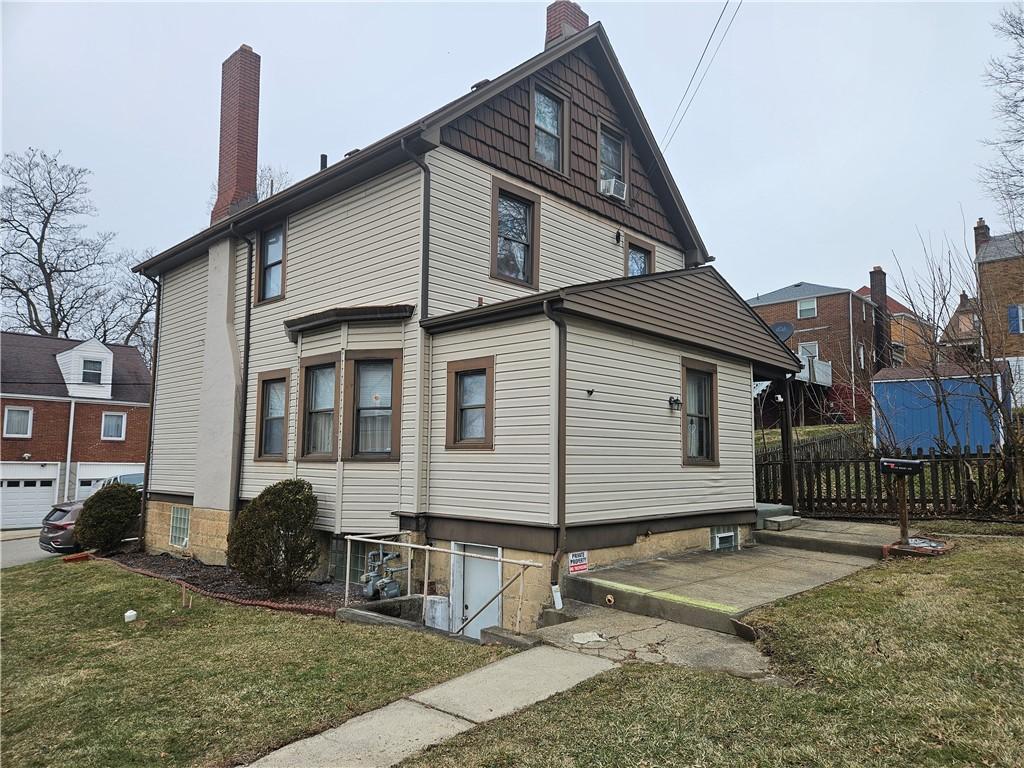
{"points": [[582, 638], [130, 616]]}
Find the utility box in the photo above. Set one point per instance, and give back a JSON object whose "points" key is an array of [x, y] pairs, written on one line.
{"points": [[437, 613]]}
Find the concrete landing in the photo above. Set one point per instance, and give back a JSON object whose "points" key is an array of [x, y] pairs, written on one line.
{"points": [[386, 736], [836, 537], [712, 590], [629, 637]]}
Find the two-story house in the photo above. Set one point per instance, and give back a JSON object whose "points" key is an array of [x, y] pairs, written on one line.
{"points": [[74, 413], [911, 336], [999, 262], [494, 329], [842, 336]]}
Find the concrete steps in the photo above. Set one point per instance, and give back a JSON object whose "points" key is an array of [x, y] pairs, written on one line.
{"points": [[832, 536]]}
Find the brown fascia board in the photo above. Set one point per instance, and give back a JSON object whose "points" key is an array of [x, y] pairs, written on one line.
{"points": [[330, 317]]}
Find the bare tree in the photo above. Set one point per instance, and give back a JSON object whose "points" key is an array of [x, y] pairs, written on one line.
{"points": [[56, 280], [1004, 176], [269, 181], [52, 271]]}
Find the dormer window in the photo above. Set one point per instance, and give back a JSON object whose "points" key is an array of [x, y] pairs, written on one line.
{"points": [[547, 141], [92, 371]]}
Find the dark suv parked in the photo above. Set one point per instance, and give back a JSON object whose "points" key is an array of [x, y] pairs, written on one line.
{"points": [[58, 534]]}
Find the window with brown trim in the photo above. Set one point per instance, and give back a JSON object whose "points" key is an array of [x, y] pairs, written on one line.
{"points": [[272, 415], [639, 257], [372, 412], [270, 266], [318, 408], [549, 121], [613, 155], [515, 234], [469, 411], [700, 412]]}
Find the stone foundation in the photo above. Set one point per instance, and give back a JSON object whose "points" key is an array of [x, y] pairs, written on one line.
{"points": [[207, 535]]}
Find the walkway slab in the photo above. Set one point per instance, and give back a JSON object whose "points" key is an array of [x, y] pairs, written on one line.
{"points": [[836, 536], [380, 738], [512, 683]]}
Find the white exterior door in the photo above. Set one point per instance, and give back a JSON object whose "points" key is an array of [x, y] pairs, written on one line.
{"points": [[475, 582]]}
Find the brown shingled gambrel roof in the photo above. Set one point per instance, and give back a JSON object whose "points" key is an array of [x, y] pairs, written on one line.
{"points": [[28, 366], [425, 134]]}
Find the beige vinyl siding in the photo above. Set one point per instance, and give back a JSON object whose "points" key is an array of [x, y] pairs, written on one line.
{"points": [[358, 248], [179, 378], [576, 245], [512, 482], [624, 445]]}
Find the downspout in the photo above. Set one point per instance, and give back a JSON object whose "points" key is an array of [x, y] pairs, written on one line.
{"points": [[245, 375], [67, 464], [853, 362], [152, 412], [560, 501], [425, 234]]}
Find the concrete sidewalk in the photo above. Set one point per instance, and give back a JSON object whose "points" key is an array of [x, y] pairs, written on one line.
{"points": [[390, 734]]}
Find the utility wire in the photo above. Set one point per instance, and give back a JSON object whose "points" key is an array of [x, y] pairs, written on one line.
{"points": [[695, 70], [701, 81]]}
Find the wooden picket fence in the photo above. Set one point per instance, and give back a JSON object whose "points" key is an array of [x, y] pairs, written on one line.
{"points": [[839, 445], [983, 484]]}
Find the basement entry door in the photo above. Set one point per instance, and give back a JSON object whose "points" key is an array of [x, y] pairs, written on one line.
{"points": [[474, 582]]}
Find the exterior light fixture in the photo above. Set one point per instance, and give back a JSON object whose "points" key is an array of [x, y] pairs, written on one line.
{"points": [[674, 403]]}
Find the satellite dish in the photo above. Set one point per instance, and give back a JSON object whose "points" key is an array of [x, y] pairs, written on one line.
{"points": [[783, 330]]}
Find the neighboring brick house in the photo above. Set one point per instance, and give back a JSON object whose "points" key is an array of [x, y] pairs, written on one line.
{"points": [[999, 261], [842, 336], [912, 337], [74, 413]]}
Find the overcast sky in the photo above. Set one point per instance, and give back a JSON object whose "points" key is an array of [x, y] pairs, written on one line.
{"points": [[825, 137]]}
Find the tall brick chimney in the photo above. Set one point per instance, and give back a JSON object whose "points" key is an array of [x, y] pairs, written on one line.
{"points": [[564, 20], [883, 327], [239, 133], [982, 235]]}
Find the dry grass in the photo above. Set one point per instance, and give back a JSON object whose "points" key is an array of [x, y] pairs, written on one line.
{"points": [[214, 685], [912, 663], [971, 528]]}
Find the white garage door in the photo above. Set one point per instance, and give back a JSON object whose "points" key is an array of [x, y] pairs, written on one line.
{"points": [[24, 503]]}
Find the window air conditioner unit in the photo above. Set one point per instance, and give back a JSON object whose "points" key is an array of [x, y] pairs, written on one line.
{"points": [[614, 188]]}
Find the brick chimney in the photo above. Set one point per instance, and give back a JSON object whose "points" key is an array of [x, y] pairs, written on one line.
{"points": [[883, 327], [981, 235], [565, 19], [239, 131]]}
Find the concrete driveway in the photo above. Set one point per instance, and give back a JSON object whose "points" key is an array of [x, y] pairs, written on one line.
{"points": [[21, 550]]}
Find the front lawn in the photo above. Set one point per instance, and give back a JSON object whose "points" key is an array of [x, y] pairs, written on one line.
{"points": [[911, 663], [212, 685]]}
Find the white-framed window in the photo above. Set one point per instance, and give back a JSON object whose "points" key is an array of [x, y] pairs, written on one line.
{"points": [[179, 526], [806, 308], [17, 421], [1015, 318], [807, 349], [92, 371], [860, 354], [864, 311], [113, 427]]}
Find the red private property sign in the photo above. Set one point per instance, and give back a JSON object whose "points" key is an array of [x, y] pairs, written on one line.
{"points": [[578, 562]]}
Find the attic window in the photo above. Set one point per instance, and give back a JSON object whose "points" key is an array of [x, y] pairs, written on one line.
{"points": [[547, 129], [92, 371], [806, 308]]}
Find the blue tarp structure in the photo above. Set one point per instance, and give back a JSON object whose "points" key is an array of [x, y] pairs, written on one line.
{"points": [[906, 412]]}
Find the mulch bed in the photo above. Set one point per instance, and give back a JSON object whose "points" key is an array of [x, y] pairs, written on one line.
{"points": [[223, 583]]}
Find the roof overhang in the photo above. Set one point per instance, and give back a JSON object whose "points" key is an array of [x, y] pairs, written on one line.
{"points": [[329, 318]]}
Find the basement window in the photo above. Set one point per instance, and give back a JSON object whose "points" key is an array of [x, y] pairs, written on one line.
{"points": [[179, 526], [725, 538]]}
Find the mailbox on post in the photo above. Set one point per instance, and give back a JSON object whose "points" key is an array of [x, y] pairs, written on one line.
{"points": [[901, 469]]}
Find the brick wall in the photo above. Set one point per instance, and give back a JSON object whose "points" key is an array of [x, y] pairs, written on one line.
{"points": [[49, 441], [1000, 284], [831, 329]]}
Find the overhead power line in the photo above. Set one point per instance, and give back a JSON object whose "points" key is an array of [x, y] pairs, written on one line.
{"points": [[695, 70]]}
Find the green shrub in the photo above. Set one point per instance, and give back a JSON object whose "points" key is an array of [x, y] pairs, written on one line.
{"points": [[273, 544], [108, 516]]}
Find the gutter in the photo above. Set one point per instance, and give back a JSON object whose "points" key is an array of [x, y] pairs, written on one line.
{"points": [[244, 410], [424, 233], [152, 412], [560, 502], [71, 437]]}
